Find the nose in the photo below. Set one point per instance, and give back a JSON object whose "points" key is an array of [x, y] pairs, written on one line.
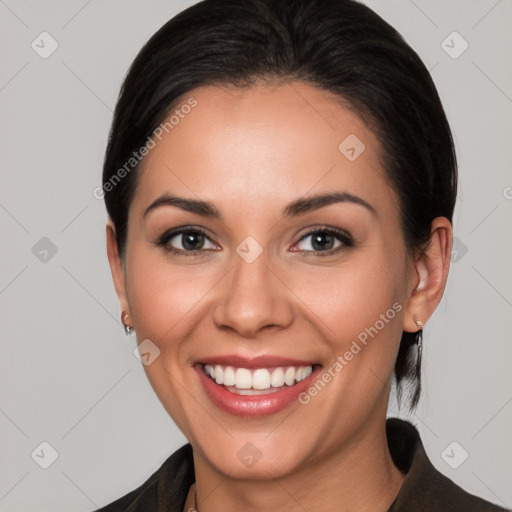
{"points": [[254, 298]]}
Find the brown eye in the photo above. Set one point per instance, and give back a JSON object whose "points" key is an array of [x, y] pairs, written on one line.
{"points": [[186, 240], [325, 240]]}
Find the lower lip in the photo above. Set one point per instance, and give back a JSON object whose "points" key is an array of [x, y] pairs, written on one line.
{"points": [[253, 405]]}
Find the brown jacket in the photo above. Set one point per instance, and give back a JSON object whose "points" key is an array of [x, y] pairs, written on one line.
{"points": [[424, 489]]}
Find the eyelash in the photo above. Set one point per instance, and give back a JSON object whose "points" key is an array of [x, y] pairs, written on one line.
{"points": [[340, 234]]}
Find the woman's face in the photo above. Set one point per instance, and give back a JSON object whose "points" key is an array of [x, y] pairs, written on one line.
{"points": [[256, 290]]}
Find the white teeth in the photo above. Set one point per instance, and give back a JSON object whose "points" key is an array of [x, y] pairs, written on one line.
{"points": [[261, 379], [229, 376], [277, 378], [219, 375], [242, 378], [289, 376], [258, 379], [209, 370]]}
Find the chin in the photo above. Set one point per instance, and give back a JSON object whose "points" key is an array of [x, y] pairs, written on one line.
{"points": [[246, 459]]}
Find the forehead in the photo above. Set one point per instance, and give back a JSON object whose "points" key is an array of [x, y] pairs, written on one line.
{"points": [[262, 145]]}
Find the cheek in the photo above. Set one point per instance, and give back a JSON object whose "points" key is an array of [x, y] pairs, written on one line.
{"points": [[358, 309], [355, 295], [163, 295], [164, 301]]}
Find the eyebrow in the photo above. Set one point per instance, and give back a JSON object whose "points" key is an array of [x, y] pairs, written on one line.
{"points": [[293, 209]]}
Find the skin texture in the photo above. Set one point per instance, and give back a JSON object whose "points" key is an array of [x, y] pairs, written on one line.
{"points": [[250, 152]]}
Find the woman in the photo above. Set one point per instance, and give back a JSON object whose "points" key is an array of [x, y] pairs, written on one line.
{"points": [[280, 180]]}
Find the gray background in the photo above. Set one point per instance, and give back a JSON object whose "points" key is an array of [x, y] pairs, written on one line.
{"points": [[68, 375]]}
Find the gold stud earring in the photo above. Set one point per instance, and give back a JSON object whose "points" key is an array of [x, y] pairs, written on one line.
{"points": [[128, 329]]}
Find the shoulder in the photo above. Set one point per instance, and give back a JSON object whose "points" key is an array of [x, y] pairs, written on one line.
{"points": [[143, 496], [169, 484], [425, 488]]}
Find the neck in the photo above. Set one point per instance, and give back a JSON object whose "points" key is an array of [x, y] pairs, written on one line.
{"points": [[360, 476]]}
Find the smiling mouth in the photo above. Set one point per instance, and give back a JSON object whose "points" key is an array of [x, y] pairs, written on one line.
{"points": [[257, 381]]}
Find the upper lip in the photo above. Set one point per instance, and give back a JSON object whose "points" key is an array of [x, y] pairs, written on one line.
{"points": [[261, 361]]}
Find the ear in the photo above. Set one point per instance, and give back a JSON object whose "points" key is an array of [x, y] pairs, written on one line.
{"points": [[117, 267], [431, 272]]}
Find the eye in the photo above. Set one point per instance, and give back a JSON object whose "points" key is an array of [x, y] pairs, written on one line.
{"points": [[323, 241], [186, 241]]}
